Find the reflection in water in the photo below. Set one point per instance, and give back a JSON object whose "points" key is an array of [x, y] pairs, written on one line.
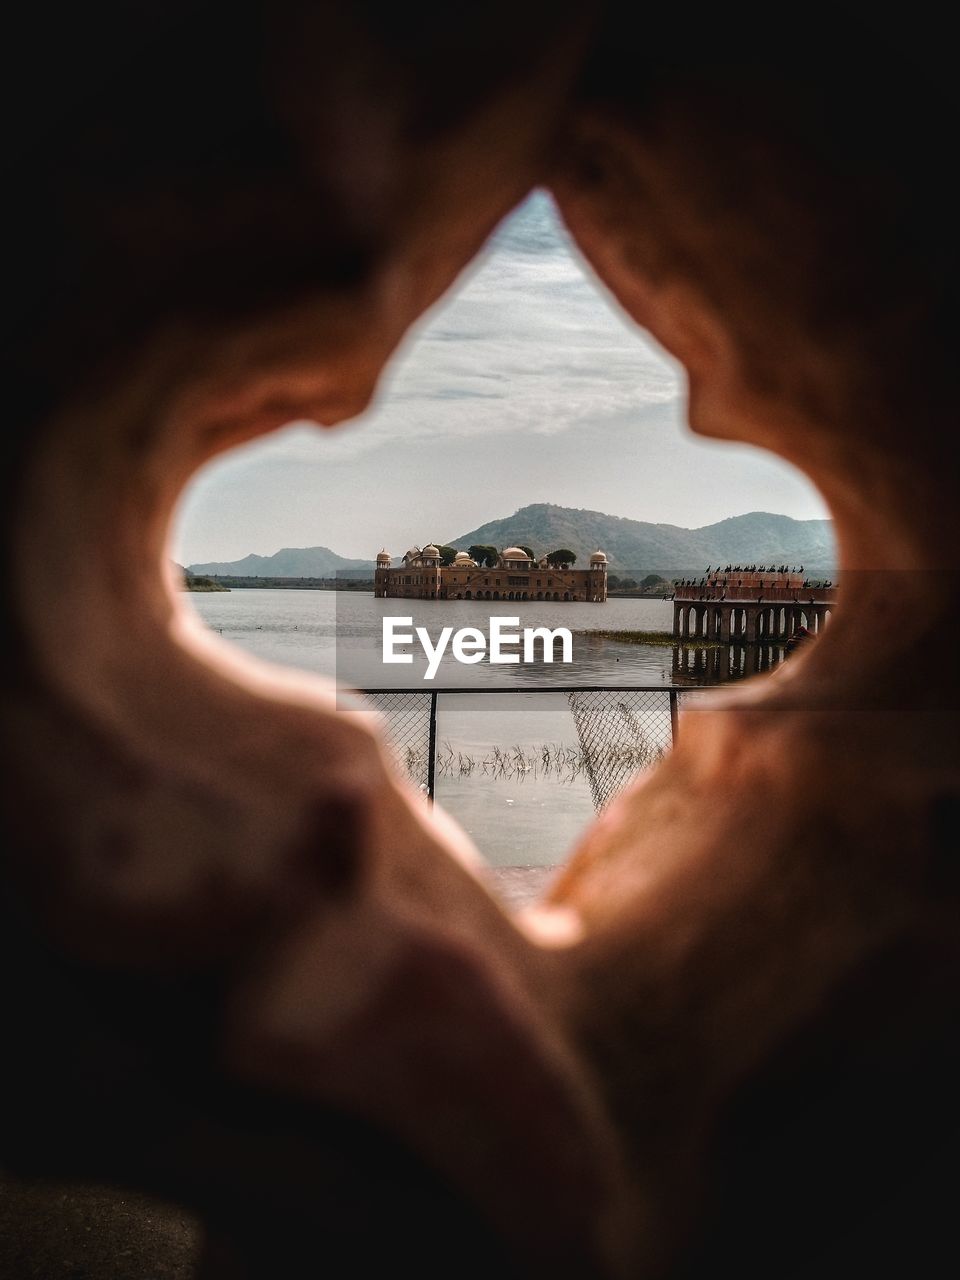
{"points": [[715, 664]]}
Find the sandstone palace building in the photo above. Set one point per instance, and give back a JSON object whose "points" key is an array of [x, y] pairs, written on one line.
{"points": [[421, 576]]}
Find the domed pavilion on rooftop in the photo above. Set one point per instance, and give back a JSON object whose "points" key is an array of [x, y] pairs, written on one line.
{"points": [[515, 558]]}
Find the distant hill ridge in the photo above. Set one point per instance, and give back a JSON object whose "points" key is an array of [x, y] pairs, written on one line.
{"points": [[290, 562], [759, 537]]}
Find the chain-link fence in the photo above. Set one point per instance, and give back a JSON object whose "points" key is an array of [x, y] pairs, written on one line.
{"points": [[620, 731], [410, 721]]}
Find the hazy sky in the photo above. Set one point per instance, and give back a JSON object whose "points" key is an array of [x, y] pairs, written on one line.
{"points": [[525, 384]]}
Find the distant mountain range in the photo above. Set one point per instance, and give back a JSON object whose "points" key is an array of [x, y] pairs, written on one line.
{"points": [[760, 537], [291, 562]]}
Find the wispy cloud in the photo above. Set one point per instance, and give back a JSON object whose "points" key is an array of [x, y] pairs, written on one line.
{"points": [[527, 343]]}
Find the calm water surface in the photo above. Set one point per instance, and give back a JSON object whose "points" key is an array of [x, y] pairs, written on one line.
{"points": [[524, 816], [339, 634]]}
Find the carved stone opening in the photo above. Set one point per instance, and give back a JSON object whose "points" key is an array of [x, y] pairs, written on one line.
{"points": [[244, 970]]}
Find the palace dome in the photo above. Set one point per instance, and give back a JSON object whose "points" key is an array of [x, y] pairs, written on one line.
{"points": [[463, 557], [598, 557], [515, 553], [412, 553], [430, 550]]}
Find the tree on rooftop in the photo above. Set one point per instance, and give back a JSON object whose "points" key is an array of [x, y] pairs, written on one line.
{"points": [[485, 555], [563, 555], [527, 550]]}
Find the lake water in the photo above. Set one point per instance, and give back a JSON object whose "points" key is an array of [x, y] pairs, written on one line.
{"points": [[511, 765], [339, 634]]}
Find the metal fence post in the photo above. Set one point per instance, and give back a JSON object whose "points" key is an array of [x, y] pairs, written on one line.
{"points": [[432, 748], [674, 717]]}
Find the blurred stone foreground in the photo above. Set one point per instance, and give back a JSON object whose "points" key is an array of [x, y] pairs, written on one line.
{"points": [[245, 973]]}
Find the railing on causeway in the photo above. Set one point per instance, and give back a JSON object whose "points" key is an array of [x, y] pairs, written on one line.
{"points": [[621, 728]]}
